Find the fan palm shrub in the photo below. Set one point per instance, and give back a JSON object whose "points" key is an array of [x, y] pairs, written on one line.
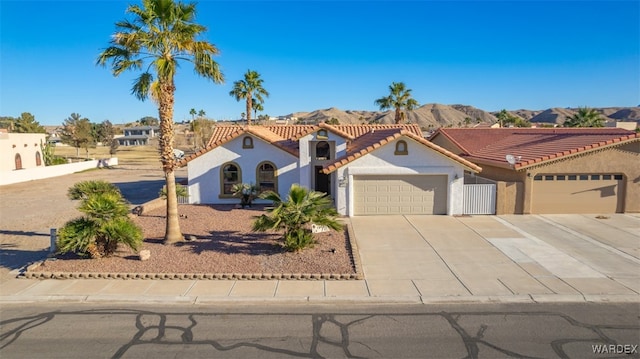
{"points": [[295, 216], [84, 189], [104, 226]]}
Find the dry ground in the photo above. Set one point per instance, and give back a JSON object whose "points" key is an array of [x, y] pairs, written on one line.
{"points": [[224, 244]]}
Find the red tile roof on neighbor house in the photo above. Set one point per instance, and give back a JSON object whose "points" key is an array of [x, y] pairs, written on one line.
{"points": [[286, 137], [532, 146]]}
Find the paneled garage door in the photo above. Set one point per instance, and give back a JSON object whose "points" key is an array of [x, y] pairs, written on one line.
{"points": [[406, 194], [577, 193]]}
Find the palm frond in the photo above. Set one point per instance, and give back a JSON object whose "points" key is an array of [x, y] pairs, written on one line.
{"points": [[142, 86]]}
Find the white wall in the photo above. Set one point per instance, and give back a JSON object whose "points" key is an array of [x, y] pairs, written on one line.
{"points": [[420, 160], [25, 144], [30, 174], [204, 171]]}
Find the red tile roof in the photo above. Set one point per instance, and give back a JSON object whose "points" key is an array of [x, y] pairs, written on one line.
{"points": [[535, 145], [370, 141], [362, 139]]}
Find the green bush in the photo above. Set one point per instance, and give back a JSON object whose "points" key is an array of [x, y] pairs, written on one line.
{"points": [[295, 216], [105, 225]]}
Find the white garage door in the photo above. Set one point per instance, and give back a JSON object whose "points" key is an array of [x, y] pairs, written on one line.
{"points": [[407, 194]]}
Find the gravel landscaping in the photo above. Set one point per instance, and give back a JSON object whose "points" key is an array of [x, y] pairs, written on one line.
{"points": [[224, 247]]}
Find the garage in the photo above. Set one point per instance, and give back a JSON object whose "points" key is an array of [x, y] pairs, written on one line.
{"points": [[406, 194], [577, 193]]}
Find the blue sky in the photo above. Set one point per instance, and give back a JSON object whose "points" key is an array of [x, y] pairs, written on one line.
{"points": [[320, 54]]}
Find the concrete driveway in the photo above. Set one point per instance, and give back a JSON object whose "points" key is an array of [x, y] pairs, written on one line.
{"points": [[529, 255]]}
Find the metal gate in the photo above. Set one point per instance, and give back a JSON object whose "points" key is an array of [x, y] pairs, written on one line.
{"points": [[479, 199]]}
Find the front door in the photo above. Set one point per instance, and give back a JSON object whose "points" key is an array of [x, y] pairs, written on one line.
{"points": [[323, 181]]}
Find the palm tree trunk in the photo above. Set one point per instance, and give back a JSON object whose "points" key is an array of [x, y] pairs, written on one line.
{"points": [[165, 110], [249, 109], [398, 115]]}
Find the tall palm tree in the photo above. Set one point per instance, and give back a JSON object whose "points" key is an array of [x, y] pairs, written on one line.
{"points": [[161, 33], [248, 89], [193, 113], [585, 117], [398, 99]]}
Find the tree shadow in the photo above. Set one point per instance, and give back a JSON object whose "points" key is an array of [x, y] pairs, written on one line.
{"points": [[235, 242], [23, 233], [11, 258], [139, 192]]}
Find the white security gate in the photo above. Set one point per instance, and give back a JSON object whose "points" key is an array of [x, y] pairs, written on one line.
{"points": [[479, 199]]}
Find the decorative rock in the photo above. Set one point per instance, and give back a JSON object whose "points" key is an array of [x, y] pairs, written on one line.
{"points": [[190, 238], [144, 254]]}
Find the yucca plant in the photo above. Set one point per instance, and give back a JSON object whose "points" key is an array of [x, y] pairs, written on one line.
{"points": [[295, 216], [246, 191], [105, 225]]}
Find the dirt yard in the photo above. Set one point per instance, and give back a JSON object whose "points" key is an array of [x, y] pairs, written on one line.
{"points": [[224, 244]]}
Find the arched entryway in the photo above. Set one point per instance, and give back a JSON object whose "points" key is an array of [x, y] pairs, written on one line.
{"points": [[18, 160]]}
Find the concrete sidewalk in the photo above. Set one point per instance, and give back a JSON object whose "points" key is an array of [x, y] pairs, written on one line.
{"points": [[418, 259]]}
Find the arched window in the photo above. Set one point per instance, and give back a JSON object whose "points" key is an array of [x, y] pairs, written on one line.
{"points": [[322, 135], [247, 142], [18, 161], [266, 177], [401, 148], [323, 150], [38, 159], [229, 175]]}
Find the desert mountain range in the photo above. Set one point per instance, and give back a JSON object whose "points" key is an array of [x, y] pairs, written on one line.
{"points": [[437, 115]]}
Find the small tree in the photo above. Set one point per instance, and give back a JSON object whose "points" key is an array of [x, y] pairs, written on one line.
{"points": [[295, 216], [149, 121], [104, 226], [27, 123], [76, 132]]}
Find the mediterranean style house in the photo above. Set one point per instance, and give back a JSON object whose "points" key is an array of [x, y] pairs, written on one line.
{"points": [[20, 150], [365, 169], [553, 170]]}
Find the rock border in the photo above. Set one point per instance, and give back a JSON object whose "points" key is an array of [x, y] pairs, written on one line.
{"points": [[354, 255]]}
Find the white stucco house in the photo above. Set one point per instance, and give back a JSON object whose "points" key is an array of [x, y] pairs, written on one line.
{"points": [[20, 150], [366, 169]]}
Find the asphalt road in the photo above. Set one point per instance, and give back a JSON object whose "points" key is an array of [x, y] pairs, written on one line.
{"points": [[303, 331]]}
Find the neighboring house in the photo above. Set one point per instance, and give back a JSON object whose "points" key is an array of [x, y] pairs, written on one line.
{"points": [[554, 170], [366, 169], [20, 150], [138, 136], [134, 140], [149, 131], [627, 125]]}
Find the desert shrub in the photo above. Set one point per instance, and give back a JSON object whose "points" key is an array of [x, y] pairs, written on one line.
{"points": [[84, 189], [295, 216], [104, 226]]}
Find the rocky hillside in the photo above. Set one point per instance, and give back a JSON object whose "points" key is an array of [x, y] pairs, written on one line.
{"points": [[437, 115]]}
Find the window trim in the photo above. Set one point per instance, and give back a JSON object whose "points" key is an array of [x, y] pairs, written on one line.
{"points": [[275, 175], [247, 142], [222, 194], [322, 134], [399, 151]]}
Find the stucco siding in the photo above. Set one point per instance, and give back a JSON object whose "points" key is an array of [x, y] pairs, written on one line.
{"points": [[24, 144], [204, 171], [383, 161], [623, 160]]}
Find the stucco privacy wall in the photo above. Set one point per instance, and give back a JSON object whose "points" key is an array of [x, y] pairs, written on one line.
{"points": [[623, 159], [25, 144], [204, 171], [383, 161], [30, 174]]}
